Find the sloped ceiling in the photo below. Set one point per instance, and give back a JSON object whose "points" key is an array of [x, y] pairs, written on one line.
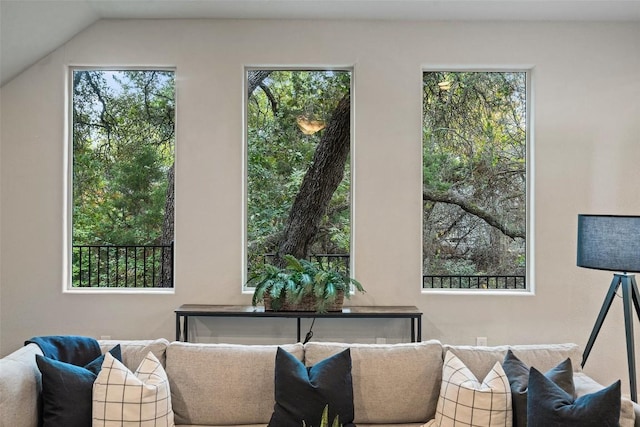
{"points": [[31, 29]]}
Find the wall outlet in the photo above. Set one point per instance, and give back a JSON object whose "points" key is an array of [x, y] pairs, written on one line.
{"points": [[481, 341], [105, 337], [381, 340]]}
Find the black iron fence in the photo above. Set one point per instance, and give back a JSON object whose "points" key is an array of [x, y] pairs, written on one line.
{"points": [[125, 266], [474, 282], [338, 262]]}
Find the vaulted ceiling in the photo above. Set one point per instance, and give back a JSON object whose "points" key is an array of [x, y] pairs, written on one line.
{"points": [[30, 29]]}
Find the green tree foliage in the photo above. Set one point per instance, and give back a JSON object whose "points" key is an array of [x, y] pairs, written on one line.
{"points": [[123, 135], [280, 153], [474, 169], [123, 149]]}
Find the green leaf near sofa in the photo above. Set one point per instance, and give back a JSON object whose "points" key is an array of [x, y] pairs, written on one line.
{"points": [[324, 421]]}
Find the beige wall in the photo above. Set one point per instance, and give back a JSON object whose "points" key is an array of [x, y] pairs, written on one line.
{"points": [[586, 90]]}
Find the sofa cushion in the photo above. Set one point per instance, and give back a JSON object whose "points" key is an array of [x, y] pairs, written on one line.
{"points": [[518, 374], [134, 351], [549, 405], [464, 401], [20, 383], [223, 384], [543, 356], [392, 383], [122, 398], [303, 393]]}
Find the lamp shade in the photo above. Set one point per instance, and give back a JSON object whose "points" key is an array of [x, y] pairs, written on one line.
{"points": [[609, 242]]}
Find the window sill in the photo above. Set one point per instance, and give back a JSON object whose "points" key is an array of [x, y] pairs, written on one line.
{"points": [[480, 292], [111, 291]]}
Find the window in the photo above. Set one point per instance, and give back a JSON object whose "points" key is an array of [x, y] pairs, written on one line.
{"points": [[474, 180], [123, 135], [297, 163]]}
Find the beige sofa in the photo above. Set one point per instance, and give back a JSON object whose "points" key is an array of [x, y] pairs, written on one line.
{"points": [[233, 385]]}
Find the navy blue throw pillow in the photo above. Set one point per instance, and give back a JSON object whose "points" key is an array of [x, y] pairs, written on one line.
{"points": [[67, 390], [518, 374], [302, 393], [549, 406]]}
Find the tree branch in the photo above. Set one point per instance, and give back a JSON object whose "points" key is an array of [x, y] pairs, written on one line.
{"points": [[332, 210], [272, 99], [470, 208], [255, 78], [103, 102], [270, 242]]}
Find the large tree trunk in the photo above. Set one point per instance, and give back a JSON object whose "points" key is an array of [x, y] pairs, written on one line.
{"points": [[319, 184], [168, 231]]}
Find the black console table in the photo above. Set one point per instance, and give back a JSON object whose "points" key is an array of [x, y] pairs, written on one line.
{"points": [[356, 312]]}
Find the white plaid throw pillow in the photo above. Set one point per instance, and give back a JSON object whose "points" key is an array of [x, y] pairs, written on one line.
{"points": [[122, 398], [463, 401]]}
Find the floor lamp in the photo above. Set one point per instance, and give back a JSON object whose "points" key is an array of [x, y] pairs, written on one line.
{"points": [[612, 242]]}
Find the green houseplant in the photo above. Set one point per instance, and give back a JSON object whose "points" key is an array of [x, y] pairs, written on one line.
{"points": [[324, 421], [301, 285]]}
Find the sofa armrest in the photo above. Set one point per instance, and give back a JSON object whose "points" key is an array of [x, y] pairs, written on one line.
{"points": [[636, 410], [20, 383], [629, 411]]}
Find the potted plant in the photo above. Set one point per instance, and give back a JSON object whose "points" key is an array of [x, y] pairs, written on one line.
{"points": [[301, 285]]}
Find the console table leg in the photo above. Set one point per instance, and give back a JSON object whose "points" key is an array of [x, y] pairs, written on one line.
{"points": [[185, 332], [413, 330], [298, 319]]}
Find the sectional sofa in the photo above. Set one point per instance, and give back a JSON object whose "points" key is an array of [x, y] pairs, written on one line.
{"points": [[233, 385]]}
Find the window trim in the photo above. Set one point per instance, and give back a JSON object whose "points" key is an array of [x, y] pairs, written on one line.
{"points": [[67, 227], [529, 70]]}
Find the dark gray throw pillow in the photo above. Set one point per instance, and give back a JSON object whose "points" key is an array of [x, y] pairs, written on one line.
{"points": [[550, 406], [518, 374], [302, 393]]}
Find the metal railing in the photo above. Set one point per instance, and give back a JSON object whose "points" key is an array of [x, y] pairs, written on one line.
{"points": [[122, 266], [339, 262], [474, 282]]}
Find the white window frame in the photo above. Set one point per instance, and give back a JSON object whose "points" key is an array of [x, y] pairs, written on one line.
{"points": [[529, 187], [297, 67], [67, 240]]}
